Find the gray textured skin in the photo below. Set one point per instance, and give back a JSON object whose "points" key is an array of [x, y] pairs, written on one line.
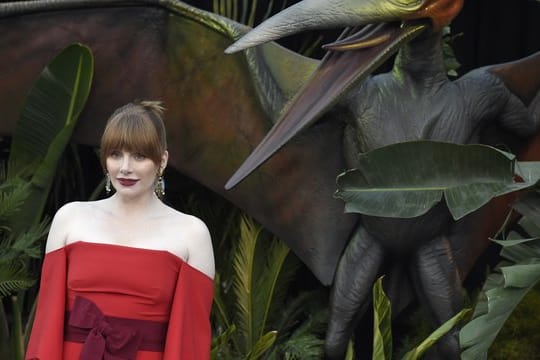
{"points": [[414, 101]]}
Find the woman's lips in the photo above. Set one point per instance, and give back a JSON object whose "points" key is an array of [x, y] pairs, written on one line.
{"points": [[127, 182]]}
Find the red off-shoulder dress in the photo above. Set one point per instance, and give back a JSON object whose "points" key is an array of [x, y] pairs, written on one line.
{"points": [[148, 287]]}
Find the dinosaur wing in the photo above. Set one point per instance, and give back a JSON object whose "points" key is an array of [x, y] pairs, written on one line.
{"points": [[219, 106]]}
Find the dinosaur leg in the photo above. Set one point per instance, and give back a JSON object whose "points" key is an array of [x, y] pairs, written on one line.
{"points": [[438, 286], [356, 272]]}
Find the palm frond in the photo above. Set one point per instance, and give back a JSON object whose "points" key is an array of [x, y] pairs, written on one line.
{"points": [[243, 265], [272, 286], [264, 343]]}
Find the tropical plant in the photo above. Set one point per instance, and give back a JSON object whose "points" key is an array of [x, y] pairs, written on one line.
{"points": [[254, 315], [41, 134], [508, 284], [382, 329], [421, 177], [478, 174]]}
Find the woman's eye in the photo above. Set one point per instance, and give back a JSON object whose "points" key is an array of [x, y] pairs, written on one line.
{"points": [[115, 154], [139, 157]]}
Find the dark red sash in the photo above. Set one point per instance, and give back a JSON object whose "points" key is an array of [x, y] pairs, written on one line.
{"points": [[111, 338]]}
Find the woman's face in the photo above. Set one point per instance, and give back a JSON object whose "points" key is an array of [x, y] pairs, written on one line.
{"points": [[132, 174]]}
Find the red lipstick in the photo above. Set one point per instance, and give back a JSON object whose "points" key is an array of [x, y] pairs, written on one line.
{"points": [[127, 182]]}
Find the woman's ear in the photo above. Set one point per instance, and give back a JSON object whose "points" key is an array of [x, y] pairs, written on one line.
{"points": [[164, 160]]}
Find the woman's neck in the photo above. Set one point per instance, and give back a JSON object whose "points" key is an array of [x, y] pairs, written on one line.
{"points": [[139, 207]]}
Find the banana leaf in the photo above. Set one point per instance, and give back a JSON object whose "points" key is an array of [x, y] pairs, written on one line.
{"points": [[505, 288], [46, 124], [407, 179]]}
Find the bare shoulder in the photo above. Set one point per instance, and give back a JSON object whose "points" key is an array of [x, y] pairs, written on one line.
{"points": [[194, 234], [61, 223]]}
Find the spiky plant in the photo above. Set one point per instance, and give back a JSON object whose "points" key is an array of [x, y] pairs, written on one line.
{"points": [[16, 249], [256, 316]]}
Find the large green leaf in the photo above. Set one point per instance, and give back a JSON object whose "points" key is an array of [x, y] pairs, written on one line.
{"points": [[505, 288], [46, 124], [407, 179]]}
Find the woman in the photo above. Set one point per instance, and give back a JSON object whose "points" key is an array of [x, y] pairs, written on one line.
{"points": [[126, 277]]}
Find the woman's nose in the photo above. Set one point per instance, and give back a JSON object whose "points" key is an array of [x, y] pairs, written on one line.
{"points": [[125, 167]]}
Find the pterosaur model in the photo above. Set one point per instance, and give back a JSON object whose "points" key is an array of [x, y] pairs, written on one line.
{"points": [[414, 101], [221, 106]]}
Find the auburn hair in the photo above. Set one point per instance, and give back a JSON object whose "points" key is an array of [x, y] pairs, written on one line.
{"points": [[138, 128]]}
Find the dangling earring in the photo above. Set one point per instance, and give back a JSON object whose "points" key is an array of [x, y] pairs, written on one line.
{"points": [[107, 184], [160, 186]]}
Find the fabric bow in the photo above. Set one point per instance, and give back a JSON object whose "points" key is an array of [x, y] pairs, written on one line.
{"points": [[104, 341]]}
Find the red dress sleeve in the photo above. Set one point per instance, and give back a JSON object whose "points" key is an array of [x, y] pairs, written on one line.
{"points": [[189, 333], [47, 337]]}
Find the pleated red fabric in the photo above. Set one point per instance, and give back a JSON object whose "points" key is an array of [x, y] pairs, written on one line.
{"points": [[123, 282]]}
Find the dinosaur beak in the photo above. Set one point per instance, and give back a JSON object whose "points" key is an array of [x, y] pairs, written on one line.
{"points": [[323, 14], [351, 59]]}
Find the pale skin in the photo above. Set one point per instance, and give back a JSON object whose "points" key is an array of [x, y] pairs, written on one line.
{"points": [[134, 216]]}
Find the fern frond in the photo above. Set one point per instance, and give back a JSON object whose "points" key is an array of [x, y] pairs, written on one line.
{"points": [[27, 242], [23, 245], [302, 326], [13, 193], [13, 278]]}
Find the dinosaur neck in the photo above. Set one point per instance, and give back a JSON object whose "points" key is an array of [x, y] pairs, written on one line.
{"points": [[421, 61]]}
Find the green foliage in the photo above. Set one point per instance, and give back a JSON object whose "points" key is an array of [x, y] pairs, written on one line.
{"points": [[520, 336], [41, 135], [423, 171], [254, 315], [301, 339], [505, 288], [418, 351], [450, 61], [47, 121], [382, 323], [382, 340]]}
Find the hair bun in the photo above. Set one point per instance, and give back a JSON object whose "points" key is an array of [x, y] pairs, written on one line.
{"points": [[152, 105]]}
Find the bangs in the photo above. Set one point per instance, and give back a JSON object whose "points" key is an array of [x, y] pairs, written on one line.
{"points": [[131, 133]]}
